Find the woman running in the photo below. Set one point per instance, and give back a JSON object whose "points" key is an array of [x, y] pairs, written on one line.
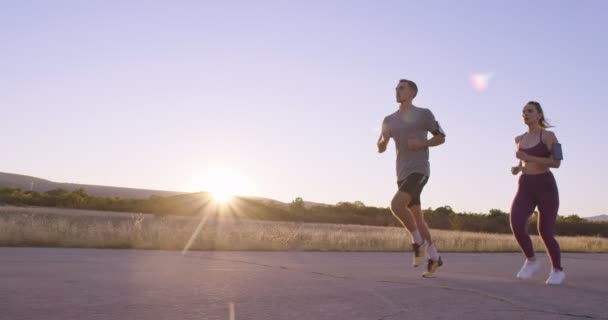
{"points": [[537, 151]]}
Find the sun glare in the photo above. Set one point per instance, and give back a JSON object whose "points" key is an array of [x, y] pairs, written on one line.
{"points": [[222, 195], [222, 184]]}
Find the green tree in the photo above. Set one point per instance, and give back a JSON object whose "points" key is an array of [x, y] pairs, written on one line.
{"points": [[297, 204]]}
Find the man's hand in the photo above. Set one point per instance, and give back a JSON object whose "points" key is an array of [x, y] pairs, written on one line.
{"points": [[415, 144], [382, 143]]}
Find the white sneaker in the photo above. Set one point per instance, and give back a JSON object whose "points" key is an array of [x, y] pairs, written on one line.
{"points": [[528, 269], [419, 253], [556, 277]]}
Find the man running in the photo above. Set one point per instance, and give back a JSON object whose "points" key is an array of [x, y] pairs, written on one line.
{"points": [[409, 127]]}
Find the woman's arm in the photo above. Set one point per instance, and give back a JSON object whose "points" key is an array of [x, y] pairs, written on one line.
{"points": [[550, 140], [518, 168]]}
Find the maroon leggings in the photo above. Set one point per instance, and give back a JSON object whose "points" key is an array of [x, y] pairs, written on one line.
{"points": [[539, 190]]}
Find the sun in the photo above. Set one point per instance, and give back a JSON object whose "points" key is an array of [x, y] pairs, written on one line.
{"points": [[222, 194], [223, 184]]}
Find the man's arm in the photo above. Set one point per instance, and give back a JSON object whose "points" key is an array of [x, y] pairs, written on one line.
{"points": [[384, 138], [435, 129], [436, 140]]}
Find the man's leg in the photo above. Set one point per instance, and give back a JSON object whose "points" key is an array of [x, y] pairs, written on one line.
{"points": [[400, 209], [415, 207], [431, 250], [420, 223]]}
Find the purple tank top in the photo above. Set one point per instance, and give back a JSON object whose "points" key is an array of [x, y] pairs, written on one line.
{"points": [[539, 150]]}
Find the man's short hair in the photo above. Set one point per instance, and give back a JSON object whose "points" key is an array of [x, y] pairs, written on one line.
{"points": [[411, 84]]}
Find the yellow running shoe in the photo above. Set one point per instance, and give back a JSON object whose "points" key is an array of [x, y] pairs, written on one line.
{"points": [[432, 267]]}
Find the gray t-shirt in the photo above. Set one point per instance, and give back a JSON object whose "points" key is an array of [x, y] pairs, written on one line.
{"points": [[415, 122]]}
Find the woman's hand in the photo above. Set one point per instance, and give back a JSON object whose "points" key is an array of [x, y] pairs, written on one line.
{"points": [[523, 156], [516, 170]]}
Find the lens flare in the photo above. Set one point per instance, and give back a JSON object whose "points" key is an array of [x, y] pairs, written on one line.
{"points": [[480, 81]]}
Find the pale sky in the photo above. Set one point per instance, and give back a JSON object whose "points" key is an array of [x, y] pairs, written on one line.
{"points": [[288, 98]]}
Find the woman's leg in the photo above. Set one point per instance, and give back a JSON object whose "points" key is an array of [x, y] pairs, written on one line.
{"points": [[548, 205], [521, 209]]}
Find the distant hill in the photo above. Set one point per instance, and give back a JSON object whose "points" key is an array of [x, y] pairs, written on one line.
{"points": [[599, 218], [23, 182], [307, 204]]}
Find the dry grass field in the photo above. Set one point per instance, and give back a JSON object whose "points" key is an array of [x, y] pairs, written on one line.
{"points": [[49, 227]]}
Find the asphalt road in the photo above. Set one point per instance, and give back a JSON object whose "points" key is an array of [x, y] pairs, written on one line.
{"points": [[39, 283]]}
